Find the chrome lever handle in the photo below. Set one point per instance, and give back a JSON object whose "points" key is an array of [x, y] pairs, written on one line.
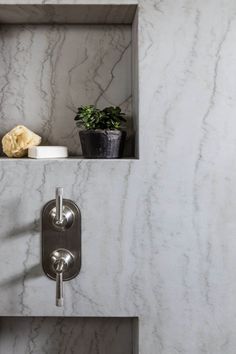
{"points": [[61, 260], [59, 283], [61, 216], [59, 206], [59, 290]]}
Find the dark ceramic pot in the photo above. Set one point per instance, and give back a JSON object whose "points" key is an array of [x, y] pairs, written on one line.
{"points": [[102, 144]]}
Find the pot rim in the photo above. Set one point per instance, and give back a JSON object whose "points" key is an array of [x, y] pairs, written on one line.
{"points": [[107, 131]]}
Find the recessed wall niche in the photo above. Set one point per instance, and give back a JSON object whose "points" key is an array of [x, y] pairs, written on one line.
{"points": [[54, 58], [66, 335]]}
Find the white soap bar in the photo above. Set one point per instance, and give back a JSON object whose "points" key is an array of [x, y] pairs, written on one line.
{"points": [[47, 152]]}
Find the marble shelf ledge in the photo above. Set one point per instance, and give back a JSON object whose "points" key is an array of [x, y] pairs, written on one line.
{"points": [[84, 13]]}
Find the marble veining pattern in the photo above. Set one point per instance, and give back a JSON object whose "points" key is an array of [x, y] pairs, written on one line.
{"points": [[158, 233], [47, 71]]}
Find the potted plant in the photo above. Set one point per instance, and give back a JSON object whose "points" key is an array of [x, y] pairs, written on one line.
{"points": [[102, 136]]}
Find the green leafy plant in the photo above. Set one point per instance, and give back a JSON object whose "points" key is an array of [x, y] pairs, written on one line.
{"points": [[91, 117]]}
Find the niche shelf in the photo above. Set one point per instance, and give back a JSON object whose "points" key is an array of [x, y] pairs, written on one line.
{"points": [[54, 58]]}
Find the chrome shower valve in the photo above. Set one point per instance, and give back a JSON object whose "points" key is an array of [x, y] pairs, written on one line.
{"points": [[61, 241]]}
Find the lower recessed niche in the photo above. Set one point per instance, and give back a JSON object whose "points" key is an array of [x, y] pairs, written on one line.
{"points": [[66, 335], [49, 69]]}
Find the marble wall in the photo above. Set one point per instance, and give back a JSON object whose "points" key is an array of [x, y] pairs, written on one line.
{"points": [[158, 233]]}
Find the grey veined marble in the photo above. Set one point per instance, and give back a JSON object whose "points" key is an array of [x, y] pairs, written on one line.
{"points": [[47, 71], [158, 234]]}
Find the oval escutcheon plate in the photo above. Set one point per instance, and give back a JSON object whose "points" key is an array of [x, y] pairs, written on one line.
{"points": [[67, 236]]}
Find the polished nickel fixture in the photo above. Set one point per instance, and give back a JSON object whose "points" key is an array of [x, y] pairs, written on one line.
{"points": [[61, 241]]}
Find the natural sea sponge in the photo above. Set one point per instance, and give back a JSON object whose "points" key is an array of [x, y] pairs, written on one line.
{"points": [[16, 142]]}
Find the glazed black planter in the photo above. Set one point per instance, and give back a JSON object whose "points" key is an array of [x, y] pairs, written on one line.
{"points": [[102, 144]]}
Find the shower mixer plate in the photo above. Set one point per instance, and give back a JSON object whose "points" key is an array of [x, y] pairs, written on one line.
{"points": [[61, 237]]}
